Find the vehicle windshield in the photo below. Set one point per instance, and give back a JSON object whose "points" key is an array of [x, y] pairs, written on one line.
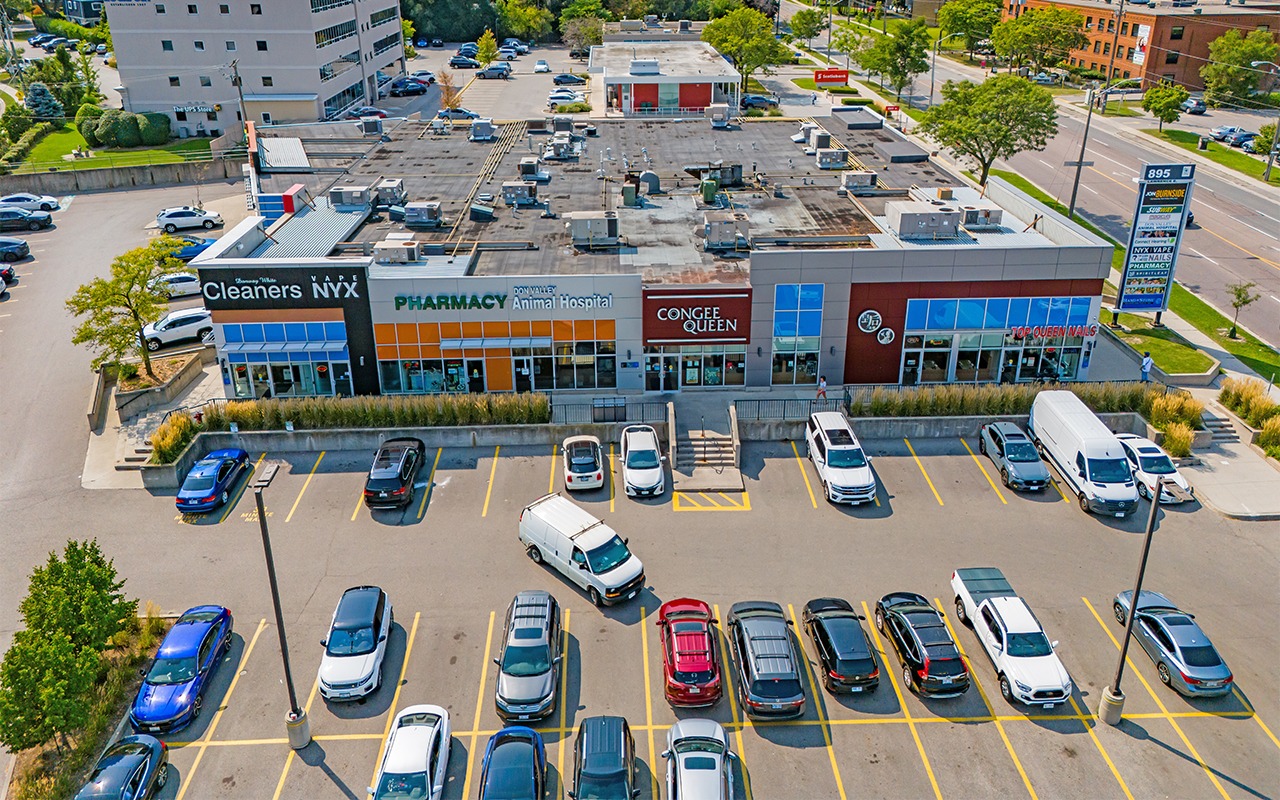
{"points": [[643, 459], [776, 688], [198, 483], [171, 670], [699, 745], [396, 786], [602, 787], [846, 458], [1201, 656], [1157, 465], [1028, 645], [1021, 452], [523, 661], [1109, 470], [351, 642], [608, 555]]}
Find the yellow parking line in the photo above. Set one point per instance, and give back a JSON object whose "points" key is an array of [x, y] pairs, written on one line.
{"points": [[648, 696], [683, 501], [288, 762], [551, 482], [1253, 713], [244, 487], [564, 702], [804, 474], [492, 471], [612, 491], [1059, 488], [922, 472], [359, 504], [902, 701], [819, 705], [726, 664], [310, 475], [431, 483], [1159, 704], [226, 699], [994, 488], [395, 698], [1088, 726], [475, 724], [978, 684]]}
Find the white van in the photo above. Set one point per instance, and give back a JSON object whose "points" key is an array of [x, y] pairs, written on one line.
{"points": [[588, 552], [1087, 454]]}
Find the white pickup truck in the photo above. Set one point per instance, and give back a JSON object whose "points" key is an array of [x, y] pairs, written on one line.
{"points": [[1028, 669]]}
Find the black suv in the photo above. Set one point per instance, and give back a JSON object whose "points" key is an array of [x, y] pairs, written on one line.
{"points": [[767, 664], [604, 760], [757, 101], [835, 630], [931, 663], [529, 664], [394, 471]]}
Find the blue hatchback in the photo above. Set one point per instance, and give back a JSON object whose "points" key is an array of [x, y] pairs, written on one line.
{"points": [[514, 766], [210, 481], [191, 246], [171, 692]]}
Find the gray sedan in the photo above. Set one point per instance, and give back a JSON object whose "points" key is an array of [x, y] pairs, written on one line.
{"points": [[1185, 659], [1014, 455]]}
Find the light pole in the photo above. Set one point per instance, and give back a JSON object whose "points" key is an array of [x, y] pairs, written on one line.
{"points": [[299, 729], [933, 70], [1112, 705], [1080, 163], [1275, 135], [1111, 62]]}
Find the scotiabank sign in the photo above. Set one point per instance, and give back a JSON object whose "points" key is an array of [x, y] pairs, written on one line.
{"points": [[690, 316]]}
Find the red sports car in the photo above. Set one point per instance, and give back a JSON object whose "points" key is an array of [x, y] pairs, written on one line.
{"points": [[689, 659]]}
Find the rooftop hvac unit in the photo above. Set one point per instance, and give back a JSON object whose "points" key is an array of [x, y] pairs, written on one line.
{"points": [[349, 196], [482, 130], [856, 179], [719, 115], [371, 126], [395, 252], [645, 66], [685, 26], [726, 230], [562, 124], [832, 158], [423, 215], [631, 25], [917, 220], [819, 140], [391, 192], [982, 216], [520, 193], [593, 228], [803, 136], [529, 170]]}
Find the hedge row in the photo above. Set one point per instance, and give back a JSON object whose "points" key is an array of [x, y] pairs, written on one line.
{"points": [[69, 30], [1248, 398], [19, 149], [117, 128]]}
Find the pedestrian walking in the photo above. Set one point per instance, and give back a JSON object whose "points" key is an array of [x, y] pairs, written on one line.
{"points": [[1147, 364], [813, 100], [822, 387]]}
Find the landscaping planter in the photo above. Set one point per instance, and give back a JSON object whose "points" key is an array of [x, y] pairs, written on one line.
{"points": [[131, 404], [917, 427]]}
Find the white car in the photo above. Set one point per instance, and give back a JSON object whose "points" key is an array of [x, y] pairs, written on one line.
{"points": [[1148, 462], [178, 284], [583, 463], [29, 202], [178, 326], [179, 217], [356, 646], [642, 459], [507, 53], [843, 466], [424, 75], [565, 96], [541, 66], [415, 761], [699, 761]]}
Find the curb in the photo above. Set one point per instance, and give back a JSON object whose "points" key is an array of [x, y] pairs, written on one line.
{"points": [[1242, 516]]}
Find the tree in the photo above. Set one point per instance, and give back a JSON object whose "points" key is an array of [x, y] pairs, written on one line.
{"points": [[44, 107], [78, 596], [745, 37], [16, 8], [900, 56], [582, 32], [486, 48], [88, 76], [117, 308], [972, 19], [406, 33], [808, 23], [582, 9], [524, 20], [1228, 75], [448, 19], [850, 40], [449, 94], [1241, 298], [16, 120], [998, 118], [44, 683], [1164, 101], [1041, 37]]}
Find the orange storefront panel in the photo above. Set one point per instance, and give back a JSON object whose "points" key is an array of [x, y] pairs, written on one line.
{"points": [[384, 333], [563, 330], [387, 353], [450, 330], [606, 330], [430, 351], [407, 333], [520, 328], [541, 327], [497, 373], [497, 330], [472, 330], [410, 351], [429, 332], [584, 330]]}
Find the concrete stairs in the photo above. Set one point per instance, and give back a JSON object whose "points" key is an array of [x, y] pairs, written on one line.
{"points": [[704, 449], [1223, 429], [134, 460]]}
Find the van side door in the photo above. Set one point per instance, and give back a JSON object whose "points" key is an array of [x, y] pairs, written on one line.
{"points": [[577, 568]]}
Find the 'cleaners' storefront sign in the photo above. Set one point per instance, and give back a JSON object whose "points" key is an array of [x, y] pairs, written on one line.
{"points": [[702, 314]]}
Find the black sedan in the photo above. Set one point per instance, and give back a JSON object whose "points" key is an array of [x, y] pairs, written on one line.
{"points": [[407, 88], [464, 62], [931, 663], [134, 768], [437, 42], [569, 79], [13, 249], [835, 631], [17, 219]]}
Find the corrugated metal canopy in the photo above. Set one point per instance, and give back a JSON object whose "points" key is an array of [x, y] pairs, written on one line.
{"points": [[313, 232], [282, 154]]}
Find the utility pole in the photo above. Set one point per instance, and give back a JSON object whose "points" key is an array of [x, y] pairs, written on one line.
{"points": [[1275, 135], [1111, 63], [1080, 163], [6, 29], [235, 81]]}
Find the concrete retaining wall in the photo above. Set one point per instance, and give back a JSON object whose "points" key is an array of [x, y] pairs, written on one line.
{"points": [[916, 427], [1205, 378], [88, 180], [131, 404], [97, 412]]}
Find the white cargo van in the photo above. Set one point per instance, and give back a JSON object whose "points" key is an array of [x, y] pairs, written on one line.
{"points": [[588, 552], [1087, 454]]}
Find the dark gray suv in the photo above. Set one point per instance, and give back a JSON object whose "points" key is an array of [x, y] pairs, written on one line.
{"points": [[604, 760], [529, 664], [768, 668], [394, 472]]}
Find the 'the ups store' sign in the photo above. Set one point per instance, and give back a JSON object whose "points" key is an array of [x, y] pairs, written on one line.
{"points": [[720, 315]]}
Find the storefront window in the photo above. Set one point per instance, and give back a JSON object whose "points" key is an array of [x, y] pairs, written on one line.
{"points": [[797, 336]]}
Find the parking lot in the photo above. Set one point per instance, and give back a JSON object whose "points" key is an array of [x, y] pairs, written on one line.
{"points": [[451, 563]]}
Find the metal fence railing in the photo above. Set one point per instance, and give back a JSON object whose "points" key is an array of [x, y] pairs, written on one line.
{"points": [[790, 409], [108, 160], [607, 410]]}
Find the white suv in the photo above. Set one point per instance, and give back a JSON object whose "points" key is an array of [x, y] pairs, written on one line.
{"points": [[642, 472], [842, 465], [178, 217], [177, 326]]}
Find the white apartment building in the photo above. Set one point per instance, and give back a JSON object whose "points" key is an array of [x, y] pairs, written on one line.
{"points": [[298, 60]]}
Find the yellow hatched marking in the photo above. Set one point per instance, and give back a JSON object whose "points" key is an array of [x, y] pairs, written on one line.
{"points": [[726, 664], [551, 482], [492, 471], [1054, 482], [431, 484], [244, 487], [922, 472], [475, 723], [805, 474], [1088, 726], [819, 706], [395, 698], [685, 501], [994, 488], [1252, 713]]}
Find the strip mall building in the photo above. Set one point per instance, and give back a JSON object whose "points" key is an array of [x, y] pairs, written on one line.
{"points": [[655, 256]]}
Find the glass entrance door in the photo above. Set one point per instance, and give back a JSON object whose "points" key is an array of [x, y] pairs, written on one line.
{"points": [[523, 367], [475, 375], [342, 379], [661, 373]]}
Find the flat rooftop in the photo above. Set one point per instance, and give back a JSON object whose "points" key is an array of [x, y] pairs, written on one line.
{"points": [[694, 59], [1162, 8]]}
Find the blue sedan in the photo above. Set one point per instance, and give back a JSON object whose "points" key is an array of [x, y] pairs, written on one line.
{"points": [[171, 693], [210, 481], [514, 766], [134, 767], [191, 246]]}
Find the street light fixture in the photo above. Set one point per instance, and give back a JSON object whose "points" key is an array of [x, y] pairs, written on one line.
{"points": [[933, 70], [1275, 135]]}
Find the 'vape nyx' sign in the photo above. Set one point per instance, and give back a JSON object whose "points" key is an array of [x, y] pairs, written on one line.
{"points": [[282, 287]]}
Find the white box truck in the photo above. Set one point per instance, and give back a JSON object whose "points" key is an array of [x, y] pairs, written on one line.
{"points": [[585, 550], [1087, 454]]}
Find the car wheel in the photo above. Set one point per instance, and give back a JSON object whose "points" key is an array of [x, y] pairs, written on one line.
{"points": [[208, 224], [163, 776], [203, 333], [10, 256], [960, 613], [33, 226], [879, 620], [170, 228], [46, 207], [593, 595], [1163, 671], [1004, 477], [535, 555], [153, 345], [982, 444], [1006, 691], [1118, 610], [225, 497], [826, 491], [1084, 503], [195, 708], [226, 646], [1142, 491], [906, 677]]}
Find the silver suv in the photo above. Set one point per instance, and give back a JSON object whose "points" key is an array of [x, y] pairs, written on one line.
{"points": [[1014, 455], [529, 664], [766, 660], [178, 326], [179, 217]]}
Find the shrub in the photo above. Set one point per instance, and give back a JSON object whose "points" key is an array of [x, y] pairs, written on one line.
{"points": [[573, 108], [88, 111], [69, 30], [118, 128], [1248, 398], [172, 437], [89, 130], [753, 112], [16, 120], [154, 129], [1175, 408], [1269, 438], [1177, 439], [42, 103], [774, 112], [19, 149]]}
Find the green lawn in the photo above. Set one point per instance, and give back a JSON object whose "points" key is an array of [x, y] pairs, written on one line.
{"points": [[808, 85], [1171, 352], [1124, 108], [1229, 157], [49, 152]]}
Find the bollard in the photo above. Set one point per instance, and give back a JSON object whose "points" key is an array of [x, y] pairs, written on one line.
{"points": [[299, 729]]}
